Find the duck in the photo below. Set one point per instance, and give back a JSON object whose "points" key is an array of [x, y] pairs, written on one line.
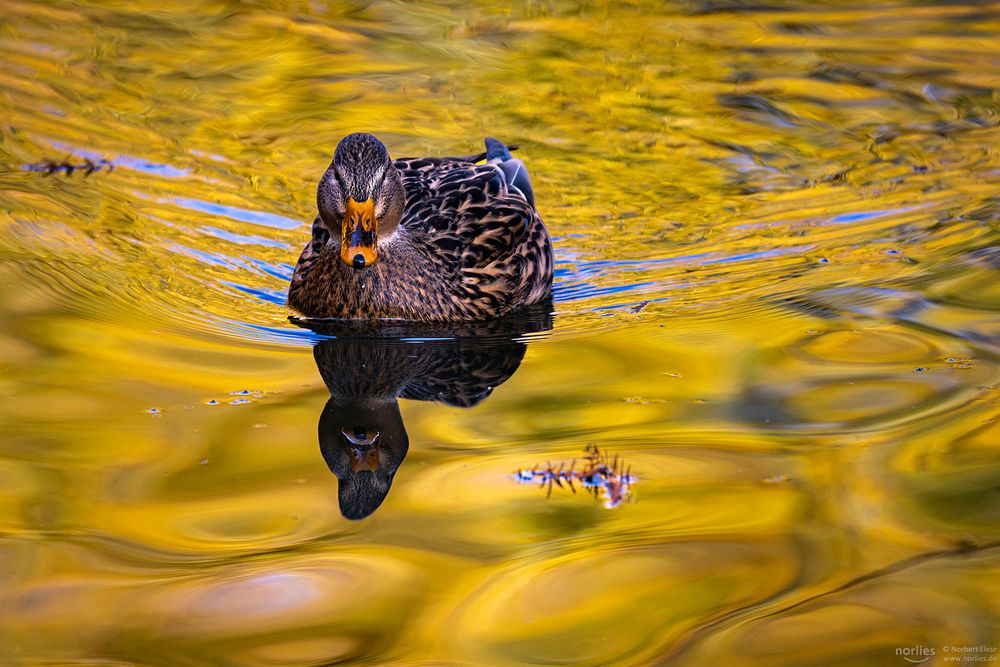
{"points": [[433, 239]]}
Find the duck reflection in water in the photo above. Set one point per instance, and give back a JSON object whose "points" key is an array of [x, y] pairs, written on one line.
{"points": [[368, 368]]}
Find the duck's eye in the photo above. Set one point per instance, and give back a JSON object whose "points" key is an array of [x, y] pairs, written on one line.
{"points": [[330, 199]]}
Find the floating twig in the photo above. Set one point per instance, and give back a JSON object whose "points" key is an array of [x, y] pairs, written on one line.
{"points": [[600, 474], [47, 167]]}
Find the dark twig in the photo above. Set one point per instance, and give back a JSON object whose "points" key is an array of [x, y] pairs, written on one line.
{"points": [[601, 475], [47, 167]]}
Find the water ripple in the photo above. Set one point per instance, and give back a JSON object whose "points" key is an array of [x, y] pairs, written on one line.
{"points": [[236, 213]]}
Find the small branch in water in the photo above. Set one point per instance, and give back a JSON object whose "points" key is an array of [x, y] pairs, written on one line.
{"points": [[48, 167], [600, 474]]}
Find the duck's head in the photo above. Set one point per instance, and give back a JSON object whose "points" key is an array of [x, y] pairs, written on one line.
{"points": [[361, 196]]}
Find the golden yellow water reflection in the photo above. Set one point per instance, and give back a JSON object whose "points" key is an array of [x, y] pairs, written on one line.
{"points": [[777, 298]]}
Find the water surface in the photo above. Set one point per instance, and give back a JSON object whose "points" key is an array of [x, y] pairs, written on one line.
{"points": [[777, 298]]}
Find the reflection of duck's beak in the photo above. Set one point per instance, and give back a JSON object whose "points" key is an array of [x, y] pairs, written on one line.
{"points": [[363, 449]]}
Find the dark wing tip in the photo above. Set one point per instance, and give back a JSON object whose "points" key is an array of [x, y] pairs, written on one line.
{"points": [[495, 149]]}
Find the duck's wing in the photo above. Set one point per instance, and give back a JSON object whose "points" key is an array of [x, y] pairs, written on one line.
{"points": [[478, 222], [472, 227]]}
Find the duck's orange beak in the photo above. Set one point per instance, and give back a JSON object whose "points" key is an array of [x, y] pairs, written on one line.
{"points": [[360, 230]]}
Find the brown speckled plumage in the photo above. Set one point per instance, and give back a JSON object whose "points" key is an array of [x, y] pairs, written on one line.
{"points": [[469, 246]]}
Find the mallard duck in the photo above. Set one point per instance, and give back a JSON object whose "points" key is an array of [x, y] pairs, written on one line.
{"points": [[424, 239]]}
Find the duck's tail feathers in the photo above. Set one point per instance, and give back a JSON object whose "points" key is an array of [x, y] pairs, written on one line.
{"points": [[496, 150], [503, 153], [514, 171]]}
